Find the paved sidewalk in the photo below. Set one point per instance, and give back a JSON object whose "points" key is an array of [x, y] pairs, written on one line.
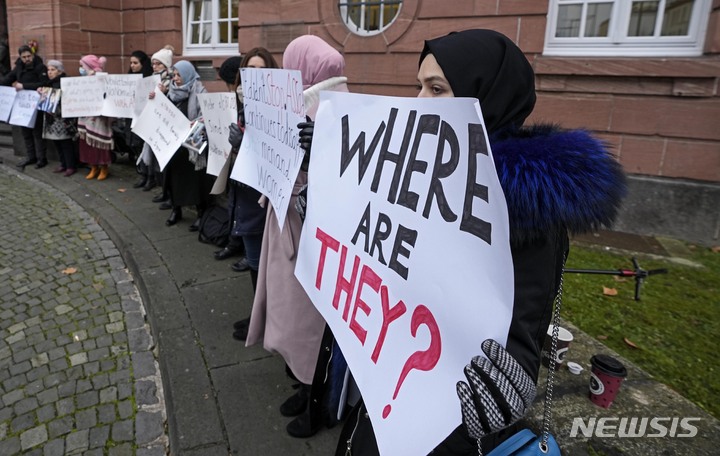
{"points": [[77, 374], [221, 397]]}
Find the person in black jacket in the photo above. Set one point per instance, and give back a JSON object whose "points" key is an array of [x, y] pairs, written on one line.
{"points": [[29, 74], [58, 129]]}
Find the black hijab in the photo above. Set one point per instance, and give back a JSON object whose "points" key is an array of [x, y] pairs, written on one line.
{"points": [[487, 65], [144, 61]]}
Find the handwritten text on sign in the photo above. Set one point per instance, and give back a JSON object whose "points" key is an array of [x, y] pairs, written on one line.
{"points": [[7, 98], [270, 156], [82, 96], [120, 95], [405, 252], [163, 127], [24, 110], [219, 110]]}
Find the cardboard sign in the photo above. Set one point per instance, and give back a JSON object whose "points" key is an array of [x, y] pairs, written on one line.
{"points": [[7, 98], [143, 87], [270, 156], [219, 110], [82, 96], [163, 127], [405, 252], [119, 96], [24, 109]]}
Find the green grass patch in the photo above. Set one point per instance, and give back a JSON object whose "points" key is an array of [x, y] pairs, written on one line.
{"points": [[675, 324]]}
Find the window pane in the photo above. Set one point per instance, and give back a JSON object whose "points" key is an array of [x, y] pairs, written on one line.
{"points": [[597, 21], [234, 36], [568, 23], [195, 34], [224, 31], [642, 18], [676, 20], [372, 17], [195, 9], [207, 10], [389, 13], [206, 33]]}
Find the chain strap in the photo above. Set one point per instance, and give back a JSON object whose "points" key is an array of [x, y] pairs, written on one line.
{"points": [[547, 411]]}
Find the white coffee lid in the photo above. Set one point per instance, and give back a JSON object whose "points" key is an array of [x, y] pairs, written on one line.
{"points": [[574, 368]]}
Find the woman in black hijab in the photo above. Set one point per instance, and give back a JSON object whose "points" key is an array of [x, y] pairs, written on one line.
{"points": [[555, 182], [139, 63]]}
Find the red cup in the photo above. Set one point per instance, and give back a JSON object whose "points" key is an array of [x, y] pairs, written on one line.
{"points": [[606, 376]]}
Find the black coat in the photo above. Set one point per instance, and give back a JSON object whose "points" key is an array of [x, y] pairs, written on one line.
{"points": [[30, 76]]}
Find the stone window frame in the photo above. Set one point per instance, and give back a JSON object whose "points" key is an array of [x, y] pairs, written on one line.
{"points": [[618, 43], [335, 26], [214, 47], [361, 29]]}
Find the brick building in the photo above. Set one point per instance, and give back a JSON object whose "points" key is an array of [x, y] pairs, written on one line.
{"points": [[644, 75]]}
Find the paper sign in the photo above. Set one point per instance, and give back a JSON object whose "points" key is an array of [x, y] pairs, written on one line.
{"points": [[7, 98], [24, 110], [119, 99], [82, 96], [405, 252], [270, 155], [163, 127], [143, 87], [219, 110]]}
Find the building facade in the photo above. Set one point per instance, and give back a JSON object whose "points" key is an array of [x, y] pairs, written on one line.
{"points": [[642, 74]]}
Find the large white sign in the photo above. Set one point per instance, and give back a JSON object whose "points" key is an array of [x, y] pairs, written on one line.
{"points": [[7, 98], [82, 96], [24, 109], [270, 156], [219, 110], [163, 127], [143, 87], [119, 96], [405, 252]]}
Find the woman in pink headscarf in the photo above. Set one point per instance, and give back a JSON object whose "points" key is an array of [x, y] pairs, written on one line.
{"points": [[96, 139], [283, 317]]}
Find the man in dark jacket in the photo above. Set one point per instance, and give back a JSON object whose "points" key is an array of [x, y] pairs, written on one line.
{"points": [[29, 74]]}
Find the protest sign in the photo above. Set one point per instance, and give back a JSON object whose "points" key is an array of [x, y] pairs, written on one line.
{"points": [[163, 127], [82, 96], [143, 87], [119, 98], [195, 140], [270, 156], [7, 98], [405, 252], [219, 110], [49, 99], [24, 109]]}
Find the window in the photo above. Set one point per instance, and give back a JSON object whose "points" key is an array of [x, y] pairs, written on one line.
{"points": [[626, 27], [210, 26], [369, 17]]}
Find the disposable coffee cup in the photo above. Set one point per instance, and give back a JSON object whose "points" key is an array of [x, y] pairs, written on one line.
{"points": [[563, 343], [606, 376]]}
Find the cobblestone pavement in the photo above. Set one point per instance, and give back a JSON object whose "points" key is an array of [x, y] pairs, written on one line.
{"points": [[77, 370]]}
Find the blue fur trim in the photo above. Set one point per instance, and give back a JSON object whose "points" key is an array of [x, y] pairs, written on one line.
{"points": [[556, 180]]}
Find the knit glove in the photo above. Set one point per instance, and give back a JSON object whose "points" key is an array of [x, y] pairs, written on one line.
{"points": [[497, 394], [301, 202], [235, 137]]}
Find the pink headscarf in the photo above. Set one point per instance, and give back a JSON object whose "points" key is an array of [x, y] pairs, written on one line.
{"points": [[316, 60], [93, 62]]}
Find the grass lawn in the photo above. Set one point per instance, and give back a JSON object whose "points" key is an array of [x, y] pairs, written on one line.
{"points": [[675, 326]]}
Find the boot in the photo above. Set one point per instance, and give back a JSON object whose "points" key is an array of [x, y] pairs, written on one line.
{"points": [[150, 184], [103, 173], [241, 329], [297, 403], [175, 216], [308, 423], [93, 172], [141, 183]]}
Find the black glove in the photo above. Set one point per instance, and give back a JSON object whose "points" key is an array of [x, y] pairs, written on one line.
{"points": [[301, 202], [235, 137], [306, 136], [498, 393]]}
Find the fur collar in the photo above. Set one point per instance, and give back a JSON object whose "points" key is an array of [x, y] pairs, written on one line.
{"points": [[556, 180]]}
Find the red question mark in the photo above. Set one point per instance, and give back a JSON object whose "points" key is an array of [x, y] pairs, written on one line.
{"points": [[421, 359]]}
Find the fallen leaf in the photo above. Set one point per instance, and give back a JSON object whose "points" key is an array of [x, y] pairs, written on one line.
{"points": [[716, 249], [69, 271], [609, 291], [85, 236], [629, 342], [121, 190], [602, 337]]}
